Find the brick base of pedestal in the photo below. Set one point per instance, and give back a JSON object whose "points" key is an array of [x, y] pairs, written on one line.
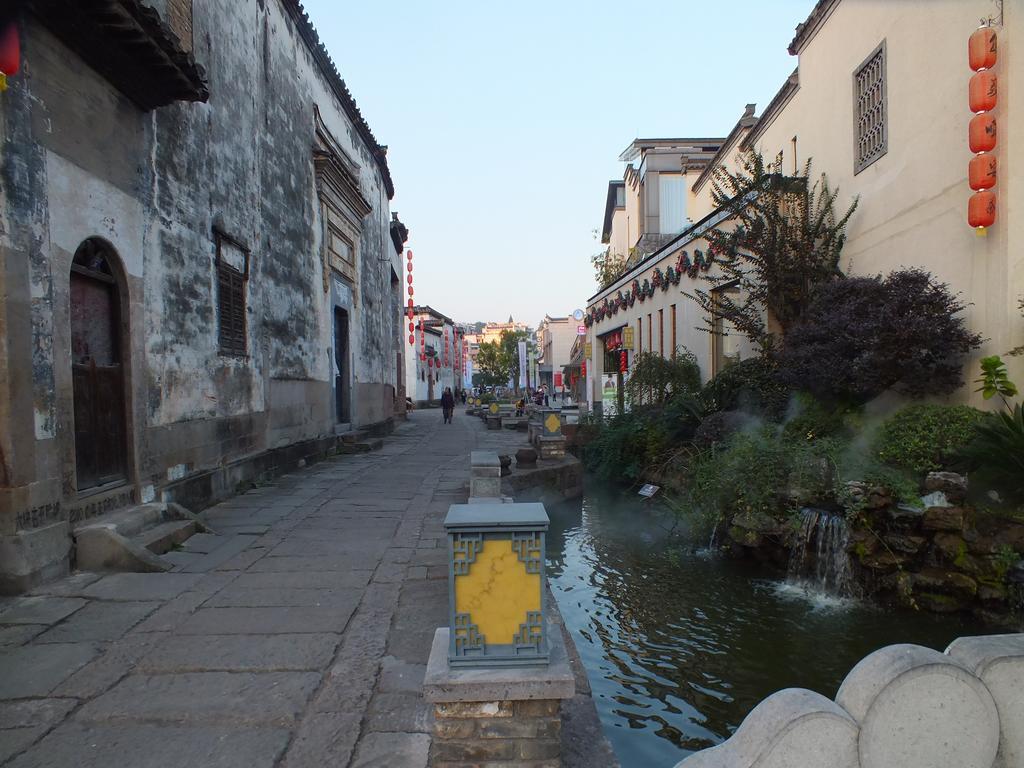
{"points": [[495, 733], [502, 716], [551, 447]]}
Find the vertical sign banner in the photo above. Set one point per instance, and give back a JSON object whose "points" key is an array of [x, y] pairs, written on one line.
{"points": [[522, 363]]}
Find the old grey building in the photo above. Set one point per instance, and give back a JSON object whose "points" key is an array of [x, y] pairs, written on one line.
{"points": [[199, 271]]}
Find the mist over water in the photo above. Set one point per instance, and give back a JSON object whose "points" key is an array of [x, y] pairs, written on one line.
{"points": [[680, 643]]}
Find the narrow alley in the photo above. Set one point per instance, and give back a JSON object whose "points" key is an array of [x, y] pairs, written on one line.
{"points": [[297, 636]]}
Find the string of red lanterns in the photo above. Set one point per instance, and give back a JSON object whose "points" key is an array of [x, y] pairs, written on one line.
{"points": [[410, 311], [982, 53], [10, 53]]}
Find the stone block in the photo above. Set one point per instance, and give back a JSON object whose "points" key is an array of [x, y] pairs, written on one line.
{"points": [[790, 728], [377, 750], [38, 669], [444, 684], [40, 610], [98, 621], [486, 487], [28, 558], [151, 746], [998, 661], [241, 653], [943, 519], [917, 707], [206, 698], [483, 459]]}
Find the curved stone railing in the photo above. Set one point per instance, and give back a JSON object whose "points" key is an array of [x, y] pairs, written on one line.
{"points": [[903, 706]]}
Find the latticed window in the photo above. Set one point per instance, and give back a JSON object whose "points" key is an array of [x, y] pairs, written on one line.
{"points": [[232, 273], [869, 113]]}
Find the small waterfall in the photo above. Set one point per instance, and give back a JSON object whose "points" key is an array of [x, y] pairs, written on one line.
{"points": [[713, 542], [819, 557]]}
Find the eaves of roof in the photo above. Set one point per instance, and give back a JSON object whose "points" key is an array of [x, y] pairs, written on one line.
{"points": [[746, 121], [815, 19], [775, 106], [330, 72]]}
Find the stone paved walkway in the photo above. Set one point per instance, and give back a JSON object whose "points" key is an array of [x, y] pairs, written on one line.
{"points": [[291, 642], [298, 636]]}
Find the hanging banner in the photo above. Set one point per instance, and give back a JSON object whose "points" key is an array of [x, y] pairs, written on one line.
{"points": [[522, 363]]}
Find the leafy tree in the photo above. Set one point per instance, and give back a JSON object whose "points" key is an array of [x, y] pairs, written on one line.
{"points": [[498, 361], [787, 240], [608, 267], [861, 336], [654, 379], [493, 364]]}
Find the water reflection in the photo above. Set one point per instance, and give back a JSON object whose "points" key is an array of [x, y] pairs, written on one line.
{"points": [[680, 643]]}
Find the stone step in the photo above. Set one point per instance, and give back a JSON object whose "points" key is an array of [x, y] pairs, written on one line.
{"points": [[162, 538], [353, 437], [133, 539], [362, 446], [129, 521]]}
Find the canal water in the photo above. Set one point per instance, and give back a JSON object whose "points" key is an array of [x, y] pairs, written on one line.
{"points": [[680, 642]]}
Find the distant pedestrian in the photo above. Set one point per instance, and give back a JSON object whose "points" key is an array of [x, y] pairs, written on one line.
{"points": [[462, 394], [547, 401], [447, 405]]}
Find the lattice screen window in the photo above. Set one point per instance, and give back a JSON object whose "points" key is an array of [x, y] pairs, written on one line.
{"points": [[869, 110], [232, 274]]}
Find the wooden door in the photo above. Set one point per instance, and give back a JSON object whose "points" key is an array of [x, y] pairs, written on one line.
{"points": [[97, 373], [341, 397]]}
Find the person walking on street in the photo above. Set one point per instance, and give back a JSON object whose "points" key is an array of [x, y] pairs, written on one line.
{"points": [[447, 404]]}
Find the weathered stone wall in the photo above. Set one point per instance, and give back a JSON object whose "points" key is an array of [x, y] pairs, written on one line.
{"points": [[903, 705], [79, 160]]}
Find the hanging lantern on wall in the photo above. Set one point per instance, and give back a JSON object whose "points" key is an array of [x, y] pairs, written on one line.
{"points": [[981, 209], [623, 361], [981, 132], [982, 49], [982, 92], [10, 53], [981, 172], [412, 339]]}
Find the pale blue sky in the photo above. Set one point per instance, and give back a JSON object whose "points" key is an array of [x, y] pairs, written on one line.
{"points": [[504, 121]]}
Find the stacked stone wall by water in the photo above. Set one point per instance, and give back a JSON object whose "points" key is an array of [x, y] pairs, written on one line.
{"points": [[941, 556]]}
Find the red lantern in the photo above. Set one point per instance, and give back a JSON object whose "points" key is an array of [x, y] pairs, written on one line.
{"points": [[412, 340], [981, 133], [981, 209], [412, 328], [981, 49], [623, 361], [982, 91], [408, 279], [411, 293], [981, 173], [411, 305], [10, 53], [583, 368]]}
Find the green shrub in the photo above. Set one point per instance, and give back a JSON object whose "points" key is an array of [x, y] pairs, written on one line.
{"points": [[486, 398], [655, 379], [626, 447], [750, 385], [926, 438], [815, 420], [718, 427], [996, 453], [758, 472]]}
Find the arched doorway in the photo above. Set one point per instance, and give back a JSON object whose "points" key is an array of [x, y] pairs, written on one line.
{"points": [[97, 366]]}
